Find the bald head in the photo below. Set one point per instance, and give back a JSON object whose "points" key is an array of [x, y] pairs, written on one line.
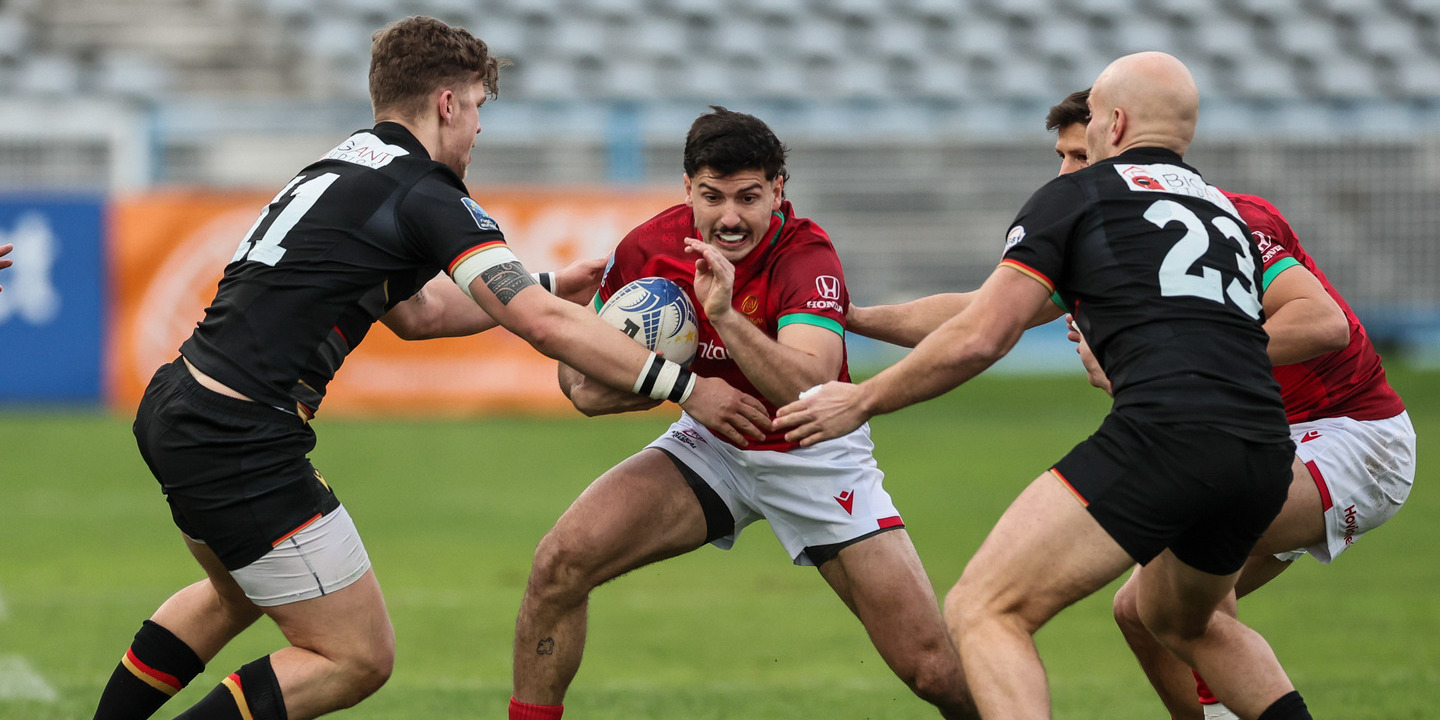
{"points": [[1146, 99]]}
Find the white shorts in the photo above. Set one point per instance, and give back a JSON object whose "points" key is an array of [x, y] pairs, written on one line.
{"points": [[1363, 469], [816, 499], [322, 557]]}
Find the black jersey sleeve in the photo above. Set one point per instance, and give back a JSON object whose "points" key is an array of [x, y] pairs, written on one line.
{"points": [[442, 223], [1037, 240]]}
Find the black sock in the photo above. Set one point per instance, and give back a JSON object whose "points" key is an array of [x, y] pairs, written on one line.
{"points": [[1290, 706], [155, 667], [252, 687]]}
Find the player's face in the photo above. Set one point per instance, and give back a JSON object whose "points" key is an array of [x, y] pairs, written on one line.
{"points": [[457, 137], [732, 212], [1070, 146]]}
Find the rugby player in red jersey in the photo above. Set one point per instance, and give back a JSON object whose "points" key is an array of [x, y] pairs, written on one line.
{"points": [[770, 295]]}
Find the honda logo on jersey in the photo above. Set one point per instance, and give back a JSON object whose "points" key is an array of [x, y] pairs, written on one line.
{"points": [[828, 286]]}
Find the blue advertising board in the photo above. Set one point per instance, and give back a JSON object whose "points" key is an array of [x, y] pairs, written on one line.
{"points": [[51, 319]]}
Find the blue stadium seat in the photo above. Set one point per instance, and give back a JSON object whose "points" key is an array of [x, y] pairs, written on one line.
{"points": [[1343, 78], [1311, 37], [1227, 36], [900, 37], [46, 73], [1387, 36]]}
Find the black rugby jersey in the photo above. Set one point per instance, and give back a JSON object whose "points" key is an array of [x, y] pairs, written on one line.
{"points": [[1163, 279], [356, 232]]}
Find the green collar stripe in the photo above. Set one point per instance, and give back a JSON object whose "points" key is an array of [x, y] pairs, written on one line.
{"points": [[776, 236], [1275, 270], [816, 320]]}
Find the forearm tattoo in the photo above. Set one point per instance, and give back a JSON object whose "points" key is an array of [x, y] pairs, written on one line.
{"points": [[506, 280], [545, 647]]}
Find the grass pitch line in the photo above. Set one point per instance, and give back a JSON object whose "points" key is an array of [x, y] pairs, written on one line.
{"points": [[19, 681]]}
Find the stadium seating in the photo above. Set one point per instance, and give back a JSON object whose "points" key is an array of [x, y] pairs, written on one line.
{"points": [[915, 117], [1331, 50]]}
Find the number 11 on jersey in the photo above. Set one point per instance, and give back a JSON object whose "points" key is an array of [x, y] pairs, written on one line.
{"points": [[267, 249]]}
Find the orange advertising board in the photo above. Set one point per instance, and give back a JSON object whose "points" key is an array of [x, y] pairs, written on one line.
{"points": [[168, 249]]}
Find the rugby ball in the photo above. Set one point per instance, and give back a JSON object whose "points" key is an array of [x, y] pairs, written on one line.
{"points": [[658, 314]]}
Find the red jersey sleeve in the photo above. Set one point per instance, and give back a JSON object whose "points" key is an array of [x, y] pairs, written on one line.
{"points": [[1275, 239], [808, 286]]}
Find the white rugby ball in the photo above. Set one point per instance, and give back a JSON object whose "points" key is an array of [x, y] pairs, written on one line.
{"points": [[657, 313]]}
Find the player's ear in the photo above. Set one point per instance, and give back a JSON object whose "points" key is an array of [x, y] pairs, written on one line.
{"points": [[445, 105], [688, 200], [779, 189], [1118, 128]]}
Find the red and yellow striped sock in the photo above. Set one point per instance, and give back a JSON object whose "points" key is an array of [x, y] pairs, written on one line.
{"points": [[155, 667]]}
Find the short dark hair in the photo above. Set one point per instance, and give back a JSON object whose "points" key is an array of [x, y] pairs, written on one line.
{"points": [[727, 142], [411, 58], [1073, 109]]}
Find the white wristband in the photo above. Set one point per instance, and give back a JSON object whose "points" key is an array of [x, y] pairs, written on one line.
{"points": [[664, 380], [546, 280]]}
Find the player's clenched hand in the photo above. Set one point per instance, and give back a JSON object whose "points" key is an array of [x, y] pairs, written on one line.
{"points": [[823, 413], [5, 250], [1094, 374], [714, 278], [578, 281], [727, 411]]}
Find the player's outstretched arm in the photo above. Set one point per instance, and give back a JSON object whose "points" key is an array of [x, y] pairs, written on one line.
{"points": [[596, 398], [957, 351], [574, 335], [441, 308], [905, 324], [5, 250], [580, 280], [1303, 321]]}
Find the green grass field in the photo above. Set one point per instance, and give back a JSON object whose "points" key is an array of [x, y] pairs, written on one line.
{"points": [[451, 512]]}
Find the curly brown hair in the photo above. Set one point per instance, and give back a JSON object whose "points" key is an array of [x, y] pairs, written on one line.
{"points": [[411, 58]]}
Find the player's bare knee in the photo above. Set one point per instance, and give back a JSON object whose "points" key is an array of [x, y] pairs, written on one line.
{"points": [[1171, 627], [1127, 614], [561, 571], [367, 670], [936, 678]]}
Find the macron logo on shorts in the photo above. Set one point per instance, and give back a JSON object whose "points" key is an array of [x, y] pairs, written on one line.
{"points": [[1307, 437], [847, 501]]}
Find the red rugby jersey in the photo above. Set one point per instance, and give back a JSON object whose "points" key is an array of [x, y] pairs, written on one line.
{"points": [[792, 276], [1349, 382]]}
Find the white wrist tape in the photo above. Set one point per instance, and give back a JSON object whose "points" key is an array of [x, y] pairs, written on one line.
{"points": [[664, 380], [484, 259], [546, 280]]}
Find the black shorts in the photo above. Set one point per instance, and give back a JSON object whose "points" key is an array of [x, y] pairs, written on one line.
{"points": [[1205, 494], [234, 472]]}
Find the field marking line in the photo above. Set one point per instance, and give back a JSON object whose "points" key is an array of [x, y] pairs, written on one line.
{"points": [[19, 681], [4, 609]]}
